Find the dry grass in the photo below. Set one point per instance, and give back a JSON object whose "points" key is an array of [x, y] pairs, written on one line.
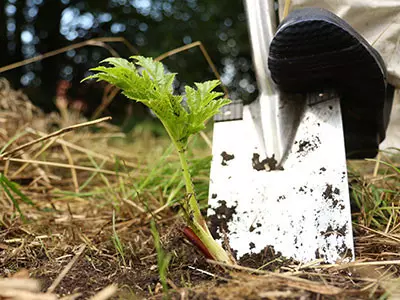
{"points": [[75, 181]]}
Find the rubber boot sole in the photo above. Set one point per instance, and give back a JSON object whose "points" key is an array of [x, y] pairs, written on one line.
{"points": [[313, 50]]}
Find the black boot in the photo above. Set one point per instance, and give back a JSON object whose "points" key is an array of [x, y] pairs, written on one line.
{"points": [[312, 50]]}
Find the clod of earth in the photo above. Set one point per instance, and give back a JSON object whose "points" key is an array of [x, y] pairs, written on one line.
{"points": [[251, 245], [338, 231], [268, 164], [330, 193], [345, 252], [318, 254], [252, 227], [268, 257], [280, 198], [306, 146], [226, 157], [219, 220]]}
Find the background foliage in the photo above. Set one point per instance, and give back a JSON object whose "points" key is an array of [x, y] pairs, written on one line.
{"points": [[32, 27]]}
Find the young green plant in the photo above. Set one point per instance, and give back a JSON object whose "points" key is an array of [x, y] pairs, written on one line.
{"points": [[146, 81], [163, 258]]}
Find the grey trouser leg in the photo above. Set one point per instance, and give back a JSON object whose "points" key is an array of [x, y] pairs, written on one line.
{"points": [[378, 21]]}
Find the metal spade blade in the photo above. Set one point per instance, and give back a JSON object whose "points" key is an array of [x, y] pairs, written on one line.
{"points": [[278, 174]]}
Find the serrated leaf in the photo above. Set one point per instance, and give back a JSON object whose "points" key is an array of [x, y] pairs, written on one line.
{"points": [[154, 87], [203, 103]]}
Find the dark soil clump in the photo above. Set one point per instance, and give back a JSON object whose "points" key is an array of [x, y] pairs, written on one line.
{"points": [[219, 220], [226, 157], [268, 164], [267, 259]]}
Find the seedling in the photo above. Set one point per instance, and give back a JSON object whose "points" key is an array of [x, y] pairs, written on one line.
{"points": [[9, 187], [152, 86], [117, 242], [163, 258]]}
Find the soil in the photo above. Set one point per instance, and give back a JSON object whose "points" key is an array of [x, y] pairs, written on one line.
{"points": [[99, 266], [331, 194], [267, 260], [268, 163], [220, 219], [226, 157], [306, 146]]}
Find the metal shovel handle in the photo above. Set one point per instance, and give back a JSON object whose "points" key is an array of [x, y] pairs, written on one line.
{"points": [[275, 126], [262, 24]]}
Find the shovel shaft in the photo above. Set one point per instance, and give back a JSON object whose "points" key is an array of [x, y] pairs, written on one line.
{"points": [[261, 19], [273, 114]]}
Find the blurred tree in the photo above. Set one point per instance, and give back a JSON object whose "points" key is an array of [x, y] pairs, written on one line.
{"points": [[3, 34], [47, 27], [153, 26], [13, 22]]}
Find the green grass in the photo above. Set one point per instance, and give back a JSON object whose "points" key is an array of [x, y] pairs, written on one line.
{"points": [[163, 258], [119, 247], [12, 190], [376, 198]]}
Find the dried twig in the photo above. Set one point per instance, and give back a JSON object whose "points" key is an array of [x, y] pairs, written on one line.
{"points": [[82, 149], [67, 166], [56, 133], [99, 42], [68, 267], [73, 171]]}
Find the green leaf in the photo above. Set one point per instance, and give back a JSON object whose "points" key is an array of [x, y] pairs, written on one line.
{"points": [[12, 186], [152, 86], [156, 70], [203, 104], [163, 259], [14, 201]]}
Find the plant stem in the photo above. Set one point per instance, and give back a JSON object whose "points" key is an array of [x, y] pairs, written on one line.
{"points": [[215, 249], [193, 205], [198, 224], [193, 215]]}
